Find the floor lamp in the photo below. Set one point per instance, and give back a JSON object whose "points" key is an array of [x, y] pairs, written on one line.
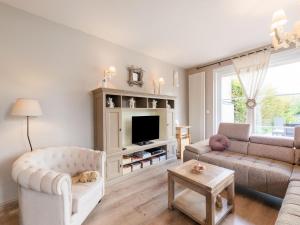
{"points": [[27, 108]]}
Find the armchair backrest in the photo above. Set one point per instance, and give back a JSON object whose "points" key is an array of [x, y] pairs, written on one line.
{"points": [[70, 160]]}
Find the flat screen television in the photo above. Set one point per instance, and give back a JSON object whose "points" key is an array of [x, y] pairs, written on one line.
{"points": [[144, 129]]}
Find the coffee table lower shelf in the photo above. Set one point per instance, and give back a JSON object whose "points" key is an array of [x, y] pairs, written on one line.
{"points": [[193, 205]]}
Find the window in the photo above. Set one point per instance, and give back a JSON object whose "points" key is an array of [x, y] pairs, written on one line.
{"points": [[278, 110], [278, 105]]}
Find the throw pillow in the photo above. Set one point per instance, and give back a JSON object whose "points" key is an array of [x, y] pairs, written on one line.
{"points": [[219, 142], [86, 176]]}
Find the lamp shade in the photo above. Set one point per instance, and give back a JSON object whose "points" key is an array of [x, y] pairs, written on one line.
{"points": [[161, 80], [112, 69], [279, 18], [26, 107]]}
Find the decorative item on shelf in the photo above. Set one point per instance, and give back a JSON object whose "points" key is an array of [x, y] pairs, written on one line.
{"points": [[154, 104], [135, 76], [27, 108], [108, 74], [175, 79], [110, 103], [280, 38], [219, 203], [161, 82], [168, 105], [131, 103]]}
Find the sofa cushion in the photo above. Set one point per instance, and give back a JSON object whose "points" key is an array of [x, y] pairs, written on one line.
{"points": [[278, 141], [284, 154], [289, 213], [85, 193], [238, 146], [235, 131], [262, 174]]}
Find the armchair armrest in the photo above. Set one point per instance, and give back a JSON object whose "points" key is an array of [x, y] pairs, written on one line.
{"points": [[42, 180], [100, 158], [200, 147]]}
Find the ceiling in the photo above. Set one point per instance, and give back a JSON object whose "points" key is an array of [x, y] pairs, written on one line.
{"points": [[182, 32]]}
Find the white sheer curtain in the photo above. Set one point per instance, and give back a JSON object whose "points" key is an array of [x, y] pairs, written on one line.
{"points": [[251, 71]]}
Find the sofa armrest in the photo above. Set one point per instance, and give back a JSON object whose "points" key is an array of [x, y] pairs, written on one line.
{"points": [[42, 180], [200, 147], [295, 174]]}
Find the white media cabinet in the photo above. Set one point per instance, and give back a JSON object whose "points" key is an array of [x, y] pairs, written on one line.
{"points": [[112, 126]]}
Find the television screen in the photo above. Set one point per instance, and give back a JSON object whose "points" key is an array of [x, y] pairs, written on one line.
{"points": [[145, 128]]}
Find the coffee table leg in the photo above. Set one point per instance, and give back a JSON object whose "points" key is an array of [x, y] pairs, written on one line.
{"points": [[231, 194], [210, 209], [170, 191]]}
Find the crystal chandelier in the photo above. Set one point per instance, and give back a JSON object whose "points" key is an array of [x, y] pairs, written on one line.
{"points": [[280, 38]]}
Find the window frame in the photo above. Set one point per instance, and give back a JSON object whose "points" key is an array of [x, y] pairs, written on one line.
{"points": [[277, 59]]}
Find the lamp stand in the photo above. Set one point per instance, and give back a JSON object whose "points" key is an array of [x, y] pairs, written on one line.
{"points": [[27, 118]]}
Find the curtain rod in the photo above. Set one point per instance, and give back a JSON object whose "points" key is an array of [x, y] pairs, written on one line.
{"points": [[269, 47]]}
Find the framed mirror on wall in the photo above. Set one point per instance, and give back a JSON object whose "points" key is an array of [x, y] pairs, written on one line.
{"points": [[135, 76]]}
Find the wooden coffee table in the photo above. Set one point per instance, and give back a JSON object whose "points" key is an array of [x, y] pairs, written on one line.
{"points": [[198, 199]]}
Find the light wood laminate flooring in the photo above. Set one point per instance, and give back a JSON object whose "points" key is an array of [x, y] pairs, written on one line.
{"points": [[143, 200]]}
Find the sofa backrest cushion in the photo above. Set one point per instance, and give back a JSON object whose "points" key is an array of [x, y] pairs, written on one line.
{"points": [[236, 131], [297, 137], [277, 141], [238, 146], [276, 148]]}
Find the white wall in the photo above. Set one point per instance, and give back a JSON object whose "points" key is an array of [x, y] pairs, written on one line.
{"points": [[60, 66]]}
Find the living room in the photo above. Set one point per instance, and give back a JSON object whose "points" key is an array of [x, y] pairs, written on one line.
{"points": [[149, 112]]}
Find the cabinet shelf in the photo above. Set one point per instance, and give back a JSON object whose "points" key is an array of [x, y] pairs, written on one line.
{"points": [[141, 102], [137, 148], [149, 157]]}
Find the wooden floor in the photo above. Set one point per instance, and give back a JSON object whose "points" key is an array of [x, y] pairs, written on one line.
{"points": [[142, 200]]}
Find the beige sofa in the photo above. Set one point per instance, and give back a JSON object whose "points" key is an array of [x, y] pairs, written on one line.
{"points": [[265, 164]]}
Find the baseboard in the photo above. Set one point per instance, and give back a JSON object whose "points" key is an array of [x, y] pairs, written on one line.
{"points": [[8, 206]]}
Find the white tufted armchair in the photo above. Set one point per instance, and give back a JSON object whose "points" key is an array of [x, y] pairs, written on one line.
{"points": [[46, 193]]}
